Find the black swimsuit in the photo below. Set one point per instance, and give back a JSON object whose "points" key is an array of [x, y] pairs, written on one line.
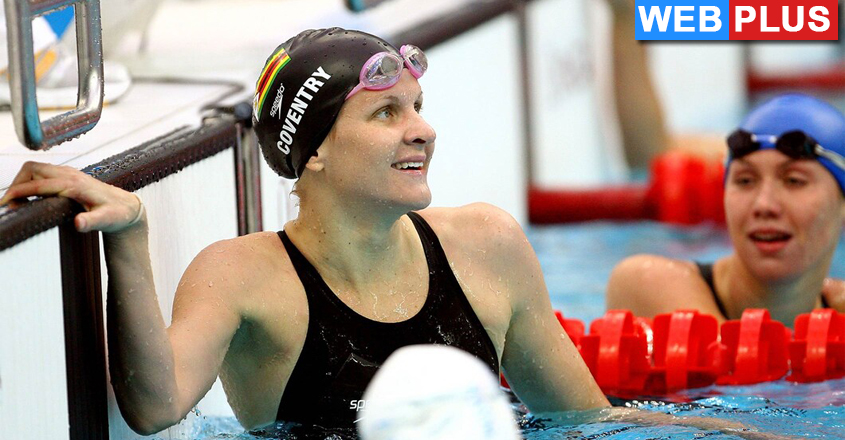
{"points": [[343, 350], [706, 271]]}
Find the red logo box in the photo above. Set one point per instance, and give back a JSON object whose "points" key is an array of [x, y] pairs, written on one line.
{"points": [[784, 20]]}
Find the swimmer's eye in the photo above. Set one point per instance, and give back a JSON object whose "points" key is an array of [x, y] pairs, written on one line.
{"points": [[742, 181], [795, 181], [383, 113]]}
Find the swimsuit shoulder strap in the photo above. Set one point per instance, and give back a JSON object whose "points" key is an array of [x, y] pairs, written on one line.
{"points": [[706, 271]]}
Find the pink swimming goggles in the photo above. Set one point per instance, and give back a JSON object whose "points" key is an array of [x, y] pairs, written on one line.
{"points": [[383, 69]]}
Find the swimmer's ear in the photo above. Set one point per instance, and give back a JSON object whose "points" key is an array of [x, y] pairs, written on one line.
{"points": [[315, 163]]}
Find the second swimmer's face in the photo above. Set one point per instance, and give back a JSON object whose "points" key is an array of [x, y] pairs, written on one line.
{"points": [[380, 147], [785, 216]]}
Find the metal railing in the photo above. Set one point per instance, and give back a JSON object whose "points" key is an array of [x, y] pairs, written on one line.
{"points": [[31, 131]]}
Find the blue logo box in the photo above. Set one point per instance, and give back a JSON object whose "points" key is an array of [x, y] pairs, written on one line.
{"points": [[682, 20]]}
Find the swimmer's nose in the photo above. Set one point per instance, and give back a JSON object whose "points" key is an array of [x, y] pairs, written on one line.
{"points": [[766, 201], [419, 132]]}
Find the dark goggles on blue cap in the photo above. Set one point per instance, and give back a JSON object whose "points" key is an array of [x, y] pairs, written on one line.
{"points": [[795, 144]]}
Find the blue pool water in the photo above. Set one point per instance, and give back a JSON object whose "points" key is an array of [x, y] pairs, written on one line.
{"points": [[576, 261]]}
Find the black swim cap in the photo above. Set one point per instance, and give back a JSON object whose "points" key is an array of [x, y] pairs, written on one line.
{"points": [[301, 89]]}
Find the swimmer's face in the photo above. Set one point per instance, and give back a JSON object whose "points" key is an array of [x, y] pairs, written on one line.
{"points": [[784, 216], [380, 147]]}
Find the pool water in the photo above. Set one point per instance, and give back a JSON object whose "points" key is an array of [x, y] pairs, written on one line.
{"points": [[577, 260]]}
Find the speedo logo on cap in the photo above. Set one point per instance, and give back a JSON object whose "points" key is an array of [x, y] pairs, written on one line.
{"points": [[298, 107], [277, 61]]}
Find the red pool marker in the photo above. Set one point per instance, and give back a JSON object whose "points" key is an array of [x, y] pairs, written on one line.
{"points": [[712, 192], [616, 351], [685, 351], [755, 349], [686, 188], [670, 192], [818, 350]]}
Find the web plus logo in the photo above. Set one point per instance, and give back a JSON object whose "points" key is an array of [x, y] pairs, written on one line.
{"points": [[737, 20]]}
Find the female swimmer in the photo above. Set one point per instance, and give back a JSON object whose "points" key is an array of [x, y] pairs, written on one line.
{"points": [[785, 209], [297, 322]]}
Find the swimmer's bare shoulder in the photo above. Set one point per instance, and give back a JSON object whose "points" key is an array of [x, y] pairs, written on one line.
{"points": [[502, 279], [484, 243], [480, 241], [244, 297], [648, 285], [477, 227]]}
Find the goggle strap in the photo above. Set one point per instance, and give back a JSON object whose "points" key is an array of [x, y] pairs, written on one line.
{"points": [[355, 90], [832, 156]]}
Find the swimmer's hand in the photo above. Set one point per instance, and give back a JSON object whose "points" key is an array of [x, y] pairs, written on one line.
{"points": [[108, 208]]}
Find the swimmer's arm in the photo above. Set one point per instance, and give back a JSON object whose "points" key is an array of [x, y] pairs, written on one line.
{"points": [[540, 363], [160, 373], [644, 133], [653, 418]]}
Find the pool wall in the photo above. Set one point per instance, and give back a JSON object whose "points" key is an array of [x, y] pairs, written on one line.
{"points": [[53, 375]]}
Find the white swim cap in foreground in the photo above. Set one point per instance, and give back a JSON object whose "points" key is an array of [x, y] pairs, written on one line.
{"points": [[435, 392]]}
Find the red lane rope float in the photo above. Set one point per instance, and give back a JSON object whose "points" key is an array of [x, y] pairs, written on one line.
{"points": [[754, 349], [818, 350], [685, 349], [616, 351], [682, 189], [630, 355]]}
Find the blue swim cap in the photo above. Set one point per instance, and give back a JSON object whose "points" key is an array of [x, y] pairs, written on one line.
{"points": [[813, 116]]}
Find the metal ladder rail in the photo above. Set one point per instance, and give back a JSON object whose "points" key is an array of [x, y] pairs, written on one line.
{"points": [[31, 131]]}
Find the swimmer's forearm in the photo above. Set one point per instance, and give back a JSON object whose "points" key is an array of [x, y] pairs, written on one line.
{"points": [[140, 355], [652, 418]]}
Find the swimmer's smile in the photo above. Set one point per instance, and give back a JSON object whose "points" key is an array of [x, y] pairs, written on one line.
{"points": [[769, 240], [413, 165]]}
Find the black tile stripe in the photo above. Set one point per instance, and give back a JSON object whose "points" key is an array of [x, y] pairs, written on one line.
{"points": [[85, 350]]}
